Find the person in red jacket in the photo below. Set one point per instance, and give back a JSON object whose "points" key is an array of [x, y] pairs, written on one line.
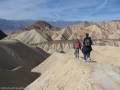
{"points": [[77, 47]]}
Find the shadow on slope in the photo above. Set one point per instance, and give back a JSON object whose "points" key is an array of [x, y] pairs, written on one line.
{"points": [[2, 35], [16, 80], [16, 62], [15, 54]]}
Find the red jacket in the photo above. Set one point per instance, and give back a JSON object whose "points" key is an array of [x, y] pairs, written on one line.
{"points": [[77, 45]]}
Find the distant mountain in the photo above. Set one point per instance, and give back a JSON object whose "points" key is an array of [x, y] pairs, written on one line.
{"points": [[39, 31], [63, 23], [36, 32], [13, 25], [40, 25]]}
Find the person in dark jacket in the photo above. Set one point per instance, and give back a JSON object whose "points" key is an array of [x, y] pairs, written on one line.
{"points": [[77, 47], [87, 47]]}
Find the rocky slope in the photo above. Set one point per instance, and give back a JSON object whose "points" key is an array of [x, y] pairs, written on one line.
{"points": [[2, 35], [98, 30], [63, 72], [14, 54], [16, 62], [47, 32], [65, 34], [31, 37], [38, 32], [41, 25]]}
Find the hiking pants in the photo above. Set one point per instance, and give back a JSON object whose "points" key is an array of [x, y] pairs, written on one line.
{"points": [[86, 52], [76, 52], [86, 55]]}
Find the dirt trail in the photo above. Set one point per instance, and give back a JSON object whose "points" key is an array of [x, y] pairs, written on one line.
{"points": [[107, 76], [63, 72]]}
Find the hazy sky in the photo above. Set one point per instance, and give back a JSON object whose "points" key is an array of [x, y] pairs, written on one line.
{"points": [[60, 9]]}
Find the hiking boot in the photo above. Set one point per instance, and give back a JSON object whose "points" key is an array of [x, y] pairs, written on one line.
{"points": [[89, 59]]}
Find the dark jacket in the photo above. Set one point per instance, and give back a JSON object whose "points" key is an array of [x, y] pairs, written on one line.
{"points": [[85, 48], [89, 40]]}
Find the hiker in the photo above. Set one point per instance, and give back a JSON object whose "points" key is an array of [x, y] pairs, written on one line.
{"points": [[87, 48], [77, 47]]}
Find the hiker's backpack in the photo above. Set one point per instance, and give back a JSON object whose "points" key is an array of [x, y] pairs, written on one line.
{"points": [[87, 42]]}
